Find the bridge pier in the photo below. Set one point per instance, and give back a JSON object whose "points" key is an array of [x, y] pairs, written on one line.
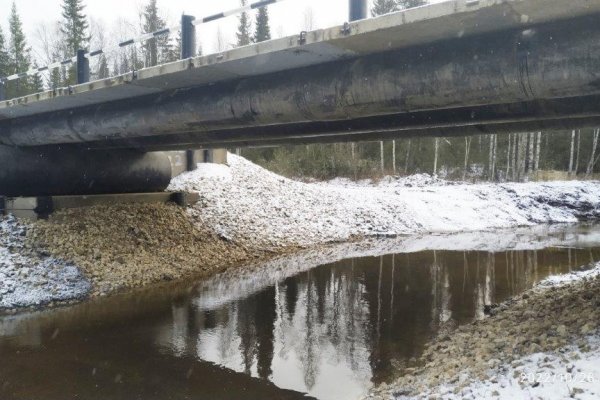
{"points": [[73, 171]]}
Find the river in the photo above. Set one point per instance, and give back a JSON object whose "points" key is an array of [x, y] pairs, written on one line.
{"points": [[292, 330]]}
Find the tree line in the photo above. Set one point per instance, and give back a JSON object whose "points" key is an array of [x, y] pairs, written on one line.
{"points": [[75, 31]]}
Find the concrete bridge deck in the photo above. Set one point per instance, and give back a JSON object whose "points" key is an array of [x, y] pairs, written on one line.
{"points": [[458, 67]]}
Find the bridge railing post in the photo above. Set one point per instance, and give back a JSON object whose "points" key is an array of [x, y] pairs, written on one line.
{"points": [[83, 67], [2, 90], [358, 9], [188, 37], [188, 50]]}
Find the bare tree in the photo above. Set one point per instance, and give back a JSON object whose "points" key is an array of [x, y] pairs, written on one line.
{"points": [[538, 148], [590, 167], [382, 156], [467, 150], [435, 158], [407, 157], [577, 153], [309, 19], [572, 153], [508, 147], [394, 156]]}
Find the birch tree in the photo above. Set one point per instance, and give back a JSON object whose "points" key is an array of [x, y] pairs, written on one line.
{"points": [[538, 149], [572, 153], [407, 157], [590, 167], [394, 156]]}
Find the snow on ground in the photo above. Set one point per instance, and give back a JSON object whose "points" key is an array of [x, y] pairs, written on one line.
{"points": [[247, 203], [568, 373], [28, 280]]}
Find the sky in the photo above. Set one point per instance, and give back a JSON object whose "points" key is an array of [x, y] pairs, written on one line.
{"points": [[286, 18], [119, 18]]}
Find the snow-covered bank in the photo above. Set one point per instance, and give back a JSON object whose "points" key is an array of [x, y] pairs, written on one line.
{"points": [[29, 278], [544, 344], [249, 204]]}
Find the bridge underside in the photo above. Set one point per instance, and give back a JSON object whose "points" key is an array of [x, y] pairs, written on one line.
{"points": [[526, 77], [507, 67]]}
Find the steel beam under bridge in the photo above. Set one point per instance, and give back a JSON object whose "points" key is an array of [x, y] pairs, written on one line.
{"points": [[448, 69]]}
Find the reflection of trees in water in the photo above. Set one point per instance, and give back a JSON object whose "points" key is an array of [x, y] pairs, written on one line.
{"points": [[359, 315]]}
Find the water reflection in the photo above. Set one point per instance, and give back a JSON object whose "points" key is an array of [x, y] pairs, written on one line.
{"points": [[294, 327], [335, 330]]}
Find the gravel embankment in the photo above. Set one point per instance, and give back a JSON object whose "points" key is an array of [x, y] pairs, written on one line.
{"points": [[254, 206], [129, 246], [544, 344]]}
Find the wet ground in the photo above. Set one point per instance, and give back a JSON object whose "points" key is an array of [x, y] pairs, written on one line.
{"points": [[329, 332]]}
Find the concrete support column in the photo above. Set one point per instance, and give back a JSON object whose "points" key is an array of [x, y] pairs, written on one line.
{"points": [[73, 171]]}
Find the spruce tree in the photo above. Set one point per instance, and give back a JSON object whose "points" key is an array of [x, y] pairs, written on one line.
{"points": [[37, 84], [263, 31], [74, 28], [155, 50], [103, 71], [19, 56], [405, 4], [243, 33], [4, 58], [381, 7]]}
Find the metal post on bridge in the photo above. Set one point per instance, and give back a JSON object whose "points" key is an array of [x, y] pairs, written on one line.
{"points": [[2, 90], [358, 10], [83, 67], [188, 50]]}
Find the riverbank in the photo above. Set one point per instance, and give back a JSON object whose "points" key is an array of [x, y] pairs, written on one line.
{"points": [[247, 213], [543, 344]]}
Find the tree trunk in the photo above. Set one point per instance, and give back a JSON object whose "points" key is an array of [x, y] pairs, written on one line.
{"points": [[435, 158], [382, 157], [531, 156], [590, 167], [572, 153], [578, 151], [467, 150], [407, 157], [537, 151], [490, 161], [508, 158], [352, 150], [394, 156], [494, 157]]}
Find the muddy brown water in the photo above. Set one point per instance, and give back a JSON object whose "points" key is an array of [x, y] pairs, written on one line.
{"points": [[329, 332]]}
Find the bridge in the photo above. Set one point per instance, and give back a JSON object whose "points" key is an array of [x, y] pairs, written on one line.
{"points": [[452, 68]]}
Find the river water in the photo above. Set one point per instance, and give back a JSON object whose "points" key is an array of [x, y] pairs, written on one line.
{"points": [[292, 329]]}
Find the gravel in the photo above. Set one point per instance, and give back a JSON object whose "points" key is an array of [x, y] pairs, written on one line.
{"points": [[543, 344], [251, 205], [30, 278], [127, 246]]}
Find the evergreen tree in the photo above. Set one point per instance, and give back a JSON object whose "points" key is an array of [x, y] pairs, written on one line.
{"points": [[263, 31], [4, 58], [405, 4], [155, 50], [37, 84], [243, 33], [381, 7], [19, 56], [103, 71], [74, 28]]}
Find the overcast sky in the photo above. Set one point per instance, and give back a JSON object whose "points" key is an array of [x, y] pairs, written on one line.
{"points": [[286, 18]]}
